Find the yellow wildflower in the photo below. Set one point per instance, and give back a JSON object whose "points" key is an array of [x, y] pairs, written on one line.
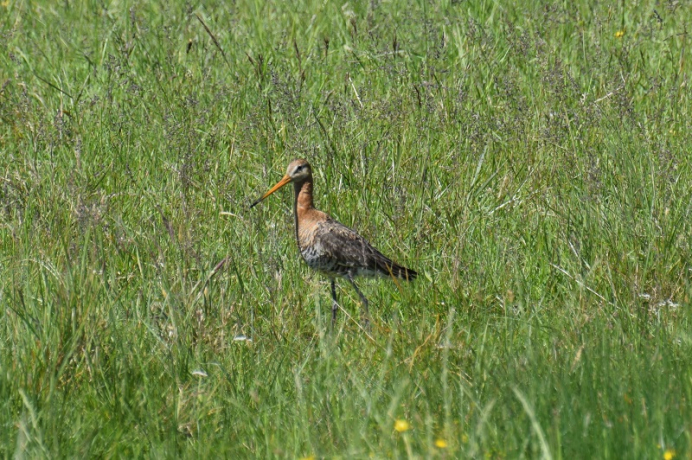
{"points": [[309, 457], [619, 34], [401, 426], [669, 454], [464, 438], [440, 443]]}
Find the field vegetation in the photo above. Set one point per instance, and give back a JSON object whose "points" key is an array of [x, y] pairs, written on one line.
{"points": [[528, 159]]}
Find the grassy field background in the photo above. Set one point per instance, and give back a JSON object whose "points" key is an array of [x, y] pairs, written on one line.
{"points": [[531, 161]]}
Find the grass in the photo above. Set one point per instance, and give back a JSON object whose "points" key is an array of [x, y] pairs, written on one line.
{"points": [[530, 161]]}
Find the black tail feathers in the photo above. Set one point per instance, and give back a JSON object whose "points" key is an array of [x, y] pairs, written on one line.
{"points": [[392, 269]]}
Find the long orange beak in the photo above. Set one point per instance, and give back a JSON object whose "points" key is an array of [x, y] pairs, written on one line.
{"points": [[285, 180]]}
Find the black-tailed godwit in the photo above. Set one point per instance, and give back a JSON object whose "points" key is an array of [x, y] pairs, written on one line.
{"points": [[328, 246]]}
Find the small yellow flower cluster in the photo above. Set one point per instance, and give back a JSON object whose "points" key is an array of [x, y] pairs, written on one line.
{"points": [[669, 454], [401, 426], [619, 34]]}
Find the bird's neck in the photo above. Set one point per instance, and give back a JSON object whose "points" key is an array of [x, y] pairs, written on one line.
{"points": [[303, 201], [303, 195]]}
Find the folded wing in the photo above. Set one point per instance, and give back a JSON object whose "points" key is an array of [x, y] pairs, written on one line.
{"points": [[349, 253]]}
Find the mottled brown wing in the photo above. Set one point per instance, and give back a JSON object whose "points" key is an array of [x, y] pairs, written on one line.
{"points": [[351, 253]]}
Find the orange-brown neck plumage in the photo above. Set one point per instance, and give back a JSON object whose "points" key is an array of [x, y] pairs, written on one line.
{"points": [[303, 209], [303, 192]]}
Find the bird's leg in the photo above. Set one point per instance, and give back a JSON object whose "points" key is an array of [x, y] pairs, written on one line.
{"points": [[335, 304], [366, 321]]}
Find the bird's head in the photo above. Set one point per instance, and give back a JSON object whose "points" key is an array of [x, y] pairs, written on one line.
{"points": [[298, 171]]}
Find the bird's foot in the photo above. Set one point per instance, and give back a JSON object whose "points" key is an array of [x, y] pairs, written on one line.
{"points": [[365, 322]]}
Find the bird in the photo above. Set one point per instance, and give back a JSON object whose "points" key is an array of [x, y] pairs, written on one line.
{"points": [[330, 247]]}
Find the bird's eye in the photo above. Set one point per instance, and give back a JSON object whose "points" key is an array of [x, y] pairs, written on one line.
{"points": [[299, 168]]}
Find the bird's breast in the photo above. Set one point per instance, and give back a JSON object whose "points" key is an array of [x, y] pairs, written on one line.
{"points": [[316, 255], [311, 249]]}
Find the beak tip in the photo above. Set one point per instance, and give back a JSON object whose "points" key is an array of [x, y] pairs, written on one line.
{"points": [[280, 184]]}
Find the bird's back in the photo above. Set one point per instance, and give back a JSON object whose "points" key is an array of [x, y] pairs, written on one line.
{"points": [[332, 248]]}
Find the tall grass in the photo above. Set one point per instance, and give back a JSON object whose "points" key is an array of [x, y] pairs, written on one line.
{"points": [[530, 161]]}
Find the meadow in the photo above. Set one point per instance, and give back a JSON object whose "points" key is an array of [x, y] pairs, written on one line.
{"points": [[529, 160]]}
